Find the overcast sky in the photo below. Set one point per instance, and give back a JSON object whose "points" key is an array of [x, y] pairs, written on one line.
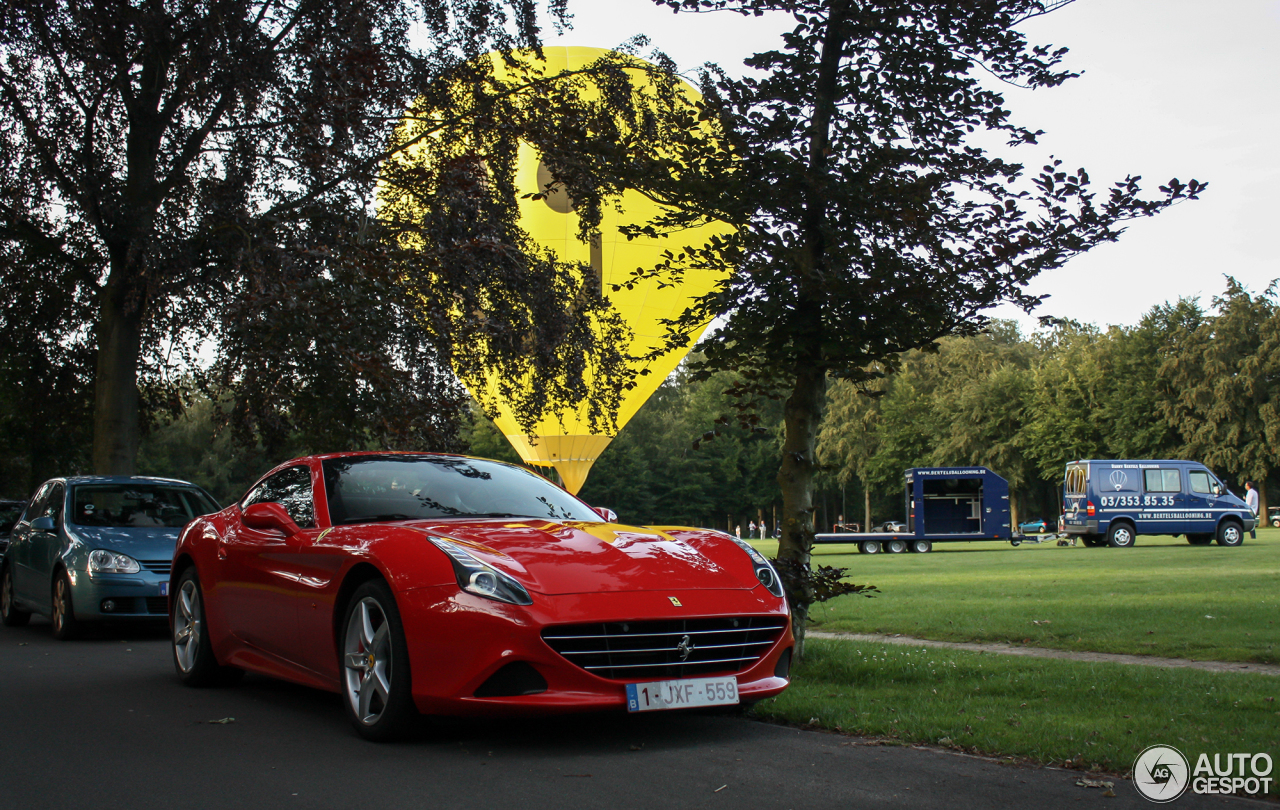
{"points": [[1170, 88]]}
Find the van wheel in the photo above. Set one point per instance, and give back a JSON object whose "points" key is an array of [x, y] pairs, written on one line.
{"points": [[1091, 540], [1200, 539], [1120, 535], [1230, 533], [869, 547]]}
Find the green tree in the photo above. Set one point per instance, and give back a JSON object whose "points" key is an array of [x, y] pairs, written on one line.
{"points": [[867, 222], [205, 171], [1222, 386]]}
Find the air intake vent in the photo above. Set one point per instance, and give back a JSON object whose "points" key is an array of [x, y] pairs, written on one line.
{"points": [[679, 648], [157, 566]]}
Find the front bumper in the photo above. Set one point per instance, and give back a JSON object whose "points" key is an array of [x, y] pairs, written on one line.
{"points": [[120, 596], [457, 641]]}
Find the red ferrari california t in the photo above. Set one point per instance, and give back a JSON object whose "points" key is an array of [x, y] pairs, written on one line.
{"points": [[440, 584]]}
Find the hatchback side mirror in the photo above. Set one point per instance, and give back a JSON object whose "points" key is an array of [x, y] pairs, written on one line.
{"points": [[266, 516], [43, 524]]}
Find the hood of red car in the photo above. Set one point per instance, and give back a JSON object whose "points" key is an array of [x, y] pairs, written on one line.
{"points": [[562, 558]]}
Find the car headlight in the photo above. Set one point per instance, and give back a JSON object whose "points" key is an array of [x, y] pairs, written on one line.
{"points": [[764, 570], [480, 579], [102, 561]]}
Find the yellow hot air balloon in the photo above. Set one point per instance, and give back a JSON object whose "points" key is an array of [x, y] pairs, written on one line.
{"points": [[564, 439]]}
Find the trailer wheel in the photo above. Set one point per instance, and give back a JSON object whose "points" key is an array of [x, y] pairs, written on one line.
{"points": [[896, 546], [1120, 535], [869, 547], [921, 546], [1015, 543]]}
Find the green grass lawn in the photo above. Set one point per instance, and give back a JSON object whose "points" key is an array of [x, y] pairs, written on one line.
{"points": [[1161, 597], [1085, 715]]}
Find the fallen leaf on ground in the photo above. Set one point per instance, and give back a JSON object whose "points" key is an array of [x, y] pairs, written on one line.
{"points": [[223, 721], [1095, 783]]}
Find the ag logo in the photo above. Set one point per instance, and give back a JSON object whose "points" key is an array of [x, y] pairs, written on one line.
{"points": [[1161, 774], [1119, 479]]}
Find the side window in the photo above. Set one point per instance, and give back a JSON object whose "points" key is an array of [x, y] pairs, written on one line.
{"points": [[1199, 481], [53, 508], [291, 489], [1162, 480], [36, 507]]}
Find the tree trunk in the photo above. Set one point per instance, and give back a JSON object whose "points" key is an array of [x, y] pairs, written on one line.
{"points": [[116, 429], [1013, 512], [866, 502], [795, 478]]}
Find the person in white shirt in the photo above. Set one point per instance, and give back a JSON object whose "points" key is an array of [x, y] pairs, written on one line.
{"points": [[1251, 500]]}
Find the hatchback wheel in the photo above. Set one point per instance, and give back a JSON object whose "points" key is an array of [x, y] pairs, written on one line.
{"points": [[375, 664], [63, 613], [10, 614]]}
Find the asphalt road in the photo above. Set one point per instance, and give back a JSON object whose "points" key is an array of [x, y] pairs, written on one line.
{"points": [[103, 723]]}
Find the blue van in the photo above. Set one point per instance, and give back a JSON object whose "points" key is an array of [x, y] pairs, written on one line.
{"points": [[1112, 502]]}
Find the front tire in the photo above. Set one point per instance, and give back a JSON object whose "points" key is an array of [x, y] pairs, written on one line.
{"points": [[10, 614], [63, 612], [193, 655], [1121, 535], [1230, 533], [375, 665]]}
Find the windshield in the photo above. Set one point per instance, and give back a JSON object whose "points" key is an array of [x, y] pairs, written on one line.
{"points": [[138, 505], [369, 488]]}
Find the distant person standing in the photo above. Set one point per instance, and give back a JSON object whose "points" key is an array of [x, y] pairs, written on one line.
{"points": [[751, 530], [738, 531], [1251, 500]]}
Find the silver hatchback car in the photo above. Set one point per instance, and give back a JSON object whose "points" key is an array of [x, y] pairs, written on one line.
{"points": [[96, 547]]}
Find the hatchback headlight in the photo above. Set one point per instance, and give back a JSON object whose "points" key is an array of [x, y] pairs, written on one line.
{"points": [[102, 561], [480, 579], [764, 569]]}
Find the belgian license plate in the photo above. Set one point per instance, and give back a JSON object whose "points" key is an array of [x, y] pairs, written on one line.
{"points": [[682, 694], [164, 588]]}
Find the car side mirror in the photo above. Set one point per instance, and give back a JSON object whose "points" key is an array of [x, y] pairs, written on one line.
{"points": [[43, 524], [266, 516], [608, 515]]}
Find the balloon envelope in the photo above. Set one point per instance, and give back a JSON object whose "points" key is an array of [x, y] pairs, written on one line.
{"points": [[564, 439]]}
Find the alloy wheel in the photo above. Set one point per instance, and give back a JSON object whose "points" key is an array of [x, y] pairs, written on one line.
{"points": [[187, 625], [367, 661]]}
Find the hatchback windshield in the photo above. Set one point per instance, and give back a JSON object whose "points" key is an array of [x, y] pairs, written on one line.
{"points": [[368, 488], [139, 505]]}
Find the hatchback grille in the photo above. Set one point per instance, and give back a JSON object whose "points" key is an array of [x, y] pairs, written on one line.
{"points": [[158, 605], [157, 566], [677, 648]]}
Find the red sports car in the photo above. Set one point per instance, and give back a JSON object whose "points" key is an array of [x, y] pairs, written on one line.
{"points": [[440, 584]]}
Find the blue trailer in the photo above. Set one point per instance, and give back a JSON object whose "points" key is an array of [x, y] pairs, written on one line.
{"points": [[943, 505]]}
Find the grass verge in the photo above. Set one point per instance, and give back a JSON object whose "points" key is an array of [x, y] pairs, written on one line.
{"points": [[1091, 716], [1162, 597]]}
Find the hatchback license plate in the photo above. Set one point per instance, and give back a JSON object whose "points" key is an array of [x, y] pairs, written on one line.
{"points": [[681, 694], [164, 588]]}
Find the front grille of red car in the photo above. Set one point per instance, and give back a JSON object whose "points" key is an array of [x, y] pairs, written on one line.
{"points": [[679, 648]]}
